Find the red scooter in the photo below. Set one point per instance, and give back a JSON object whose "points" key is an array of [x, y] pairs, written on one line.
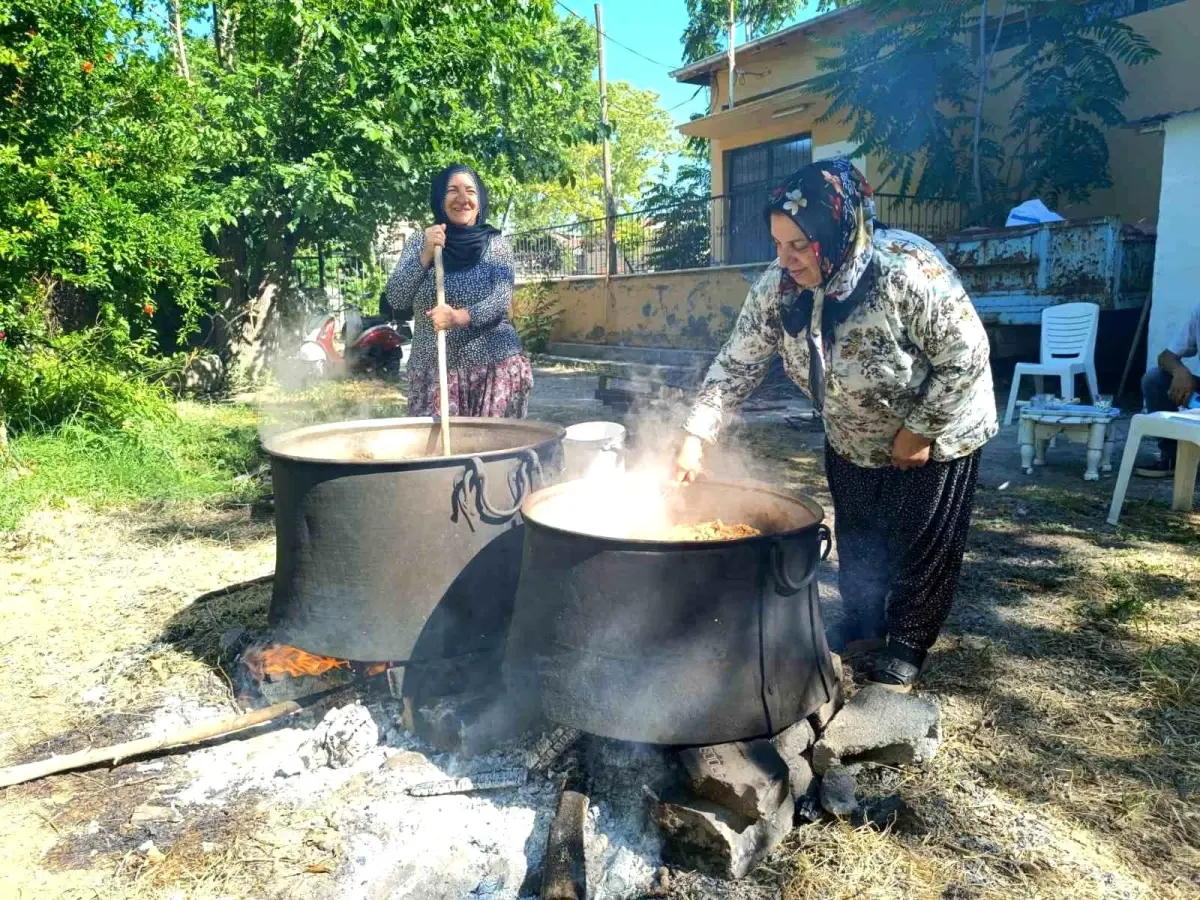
{"points": [[373, 346]]}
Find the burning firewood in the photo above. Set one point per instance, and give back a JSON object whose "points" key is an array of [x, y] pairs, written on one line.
{"points": [[552, 746], [496, 780]]}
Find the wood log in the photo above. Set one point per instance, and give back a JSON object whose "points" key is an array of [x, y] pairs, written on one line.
{"points": [[196, 734], [564, 867]]}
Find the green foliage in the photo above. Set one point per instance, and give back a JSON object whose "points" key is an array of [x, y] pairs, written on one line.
{"points": [[91, 379], [708, 21], [98, 141], [915, 89], [198, 455], [680, 213], [641, 137], [534, 313], [329, 118]]}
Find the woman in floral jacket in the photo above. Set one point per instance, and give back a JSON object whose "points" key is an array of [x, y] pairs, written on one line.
{"points": [[874, 325]]}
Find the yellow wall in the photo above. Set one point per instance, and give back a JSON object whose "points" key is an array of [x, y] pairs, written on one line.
{"points": [[693, 309], [1169, 84]]}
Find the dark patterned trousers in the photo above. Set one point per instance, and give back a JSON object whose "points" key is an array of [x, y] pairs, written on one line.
{"points": [[901, 536]]}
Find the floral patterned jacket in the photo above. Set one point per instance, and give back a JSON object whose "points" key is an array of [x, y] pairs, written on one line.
{"points": [[912, 354]]}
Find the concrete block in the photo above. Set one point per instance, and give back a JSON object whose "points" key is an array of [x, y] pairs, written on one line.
{"points": [[748, 778], [794, 746], [880, 726]]}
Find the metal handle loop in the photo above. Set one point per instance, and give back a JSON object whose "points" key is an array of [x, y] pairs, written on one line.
{"points": [[783, 581], [519, 483]]}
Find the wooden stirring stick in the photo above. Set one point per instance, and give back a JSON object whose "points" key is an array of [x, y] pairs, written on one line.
{"points": [[443, 378]]}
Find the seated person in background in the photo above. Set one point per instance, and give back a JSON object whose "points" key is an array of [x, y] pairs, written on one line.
{"points": [[1171, 386]]}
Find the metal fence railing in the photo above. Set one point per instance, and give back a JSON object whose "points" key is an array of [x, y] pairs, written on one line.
{"points": [[725, 230], [347, 277]]}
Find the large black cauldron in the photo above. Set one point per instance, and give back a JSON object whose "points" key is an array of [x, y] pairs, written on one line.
{"points": [[387, 551], [673, 643]]}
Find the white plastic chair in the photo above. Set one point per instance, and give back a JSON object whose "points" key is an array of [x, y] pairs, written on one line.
{"points": [[1068, 349], [1182, 427]]}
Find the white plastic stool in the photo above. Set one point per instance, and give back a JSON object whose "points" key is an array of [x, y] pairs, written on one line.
{"points": [[1182, 427]]}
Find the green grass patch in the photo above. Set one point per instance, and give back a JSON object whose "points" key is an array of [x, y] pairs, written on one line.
{"points": [[196, 455]]}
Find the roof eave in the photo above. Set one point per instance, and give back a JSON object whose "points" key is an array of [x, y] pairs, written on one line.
{"points": [[698, 72]]}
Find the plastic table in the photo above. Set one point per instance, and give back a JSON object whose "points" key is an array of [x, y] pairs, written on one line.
{"points": [[1079, 424]]}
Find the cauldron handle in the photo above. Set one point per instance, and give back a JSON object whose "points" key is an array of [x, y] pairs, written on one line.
{"points": [[518, 482], [783, 581]]}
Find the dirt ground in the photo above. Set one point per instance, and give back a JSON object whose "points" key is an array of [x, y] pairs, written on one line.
{"points": [[1069, 678]]}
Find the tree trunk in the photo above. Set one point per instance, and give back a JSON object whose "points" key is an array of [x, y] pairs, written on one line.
{"points": [[181, 60], [976, 162], [223, 34], [253, 330], [986, 56]]}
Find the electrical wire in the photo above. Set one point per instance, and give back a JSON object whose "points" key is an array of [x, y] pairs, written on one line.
{"points": [[609, 37], [620, 109]]}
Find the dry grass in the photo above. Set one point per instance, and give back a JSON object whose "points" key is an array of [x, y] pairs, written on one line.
{"points": [[105, 601], [1070, 679]]}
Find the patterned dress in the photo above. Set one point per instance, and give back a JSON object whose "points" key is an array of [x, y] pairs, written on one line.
{"points": [[912, 353], [489, 375]]}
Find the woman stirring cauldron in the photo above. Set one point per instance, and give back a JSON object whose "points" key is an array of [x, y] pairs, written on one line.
{"points": [[489, 375], [874, 325]]}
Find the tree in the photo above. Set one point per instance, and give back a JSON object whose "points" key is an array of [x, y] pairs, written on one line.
{"points": [[680, 213], [101, 214], [327, 118], [641, 137], [916, 91], [708, 21]]}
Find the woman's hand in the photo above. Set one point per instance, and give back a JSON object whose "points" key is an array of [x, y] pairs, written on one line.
{"points": [[447, 318], [910, 451], [435, 236], [690, 461]]}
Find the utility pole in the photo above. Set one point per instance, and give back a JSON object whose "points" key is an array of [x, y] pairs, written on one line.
{"points": [[730, 51], [610, 207]]}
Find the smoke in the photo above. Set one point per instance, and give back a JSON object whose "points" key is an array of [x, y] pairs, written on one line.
{"points": [[642, 499]]}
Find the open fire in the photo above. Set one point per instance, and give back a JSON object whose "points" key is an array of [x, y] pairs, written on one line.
{"points": [[275, 660], [279, 671]]}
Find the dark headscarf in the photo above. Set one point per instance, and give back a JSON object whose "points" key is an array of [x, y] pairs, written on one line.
{"points": [[465, 245], [831, 203]]}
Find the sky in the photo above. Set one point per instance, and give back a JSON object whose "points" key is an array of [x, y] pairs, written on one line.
{"points": [[653, 28]]}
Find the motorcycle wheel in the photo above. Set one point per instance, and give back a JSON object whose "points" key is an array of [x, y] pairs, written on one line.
{"points": [[391, 366]]}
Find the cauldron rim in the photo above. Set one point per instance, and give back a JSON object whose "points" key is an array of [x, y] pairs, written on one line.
{"points": [[814, 508], [549, 434]]}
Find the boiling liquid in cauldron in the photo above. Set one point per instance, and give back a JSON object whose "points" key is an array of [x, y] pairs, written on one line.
{"points": [[715, 530], [638, 507]]}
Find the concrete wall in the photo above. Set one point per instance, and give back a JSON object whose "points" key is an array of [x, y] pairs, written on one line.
{"points": [[1177, 259], [693, 309]]}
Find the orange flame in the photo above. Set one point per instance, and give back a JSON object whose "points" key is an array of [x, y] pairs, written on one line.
{"points": [[277, 659]]}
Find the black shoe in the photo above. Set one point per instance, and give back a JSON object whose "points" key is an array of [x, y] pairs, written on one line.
{"points": [[894, 674], [1164, 468]]}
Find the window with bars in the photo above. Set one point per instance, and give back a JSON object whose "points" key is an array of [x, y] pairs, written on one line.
{"points": [[751, 173]]}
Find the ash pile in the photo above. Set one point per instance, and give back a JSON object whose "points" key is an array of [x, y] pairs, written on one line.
{"points": [[619, 819]]}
